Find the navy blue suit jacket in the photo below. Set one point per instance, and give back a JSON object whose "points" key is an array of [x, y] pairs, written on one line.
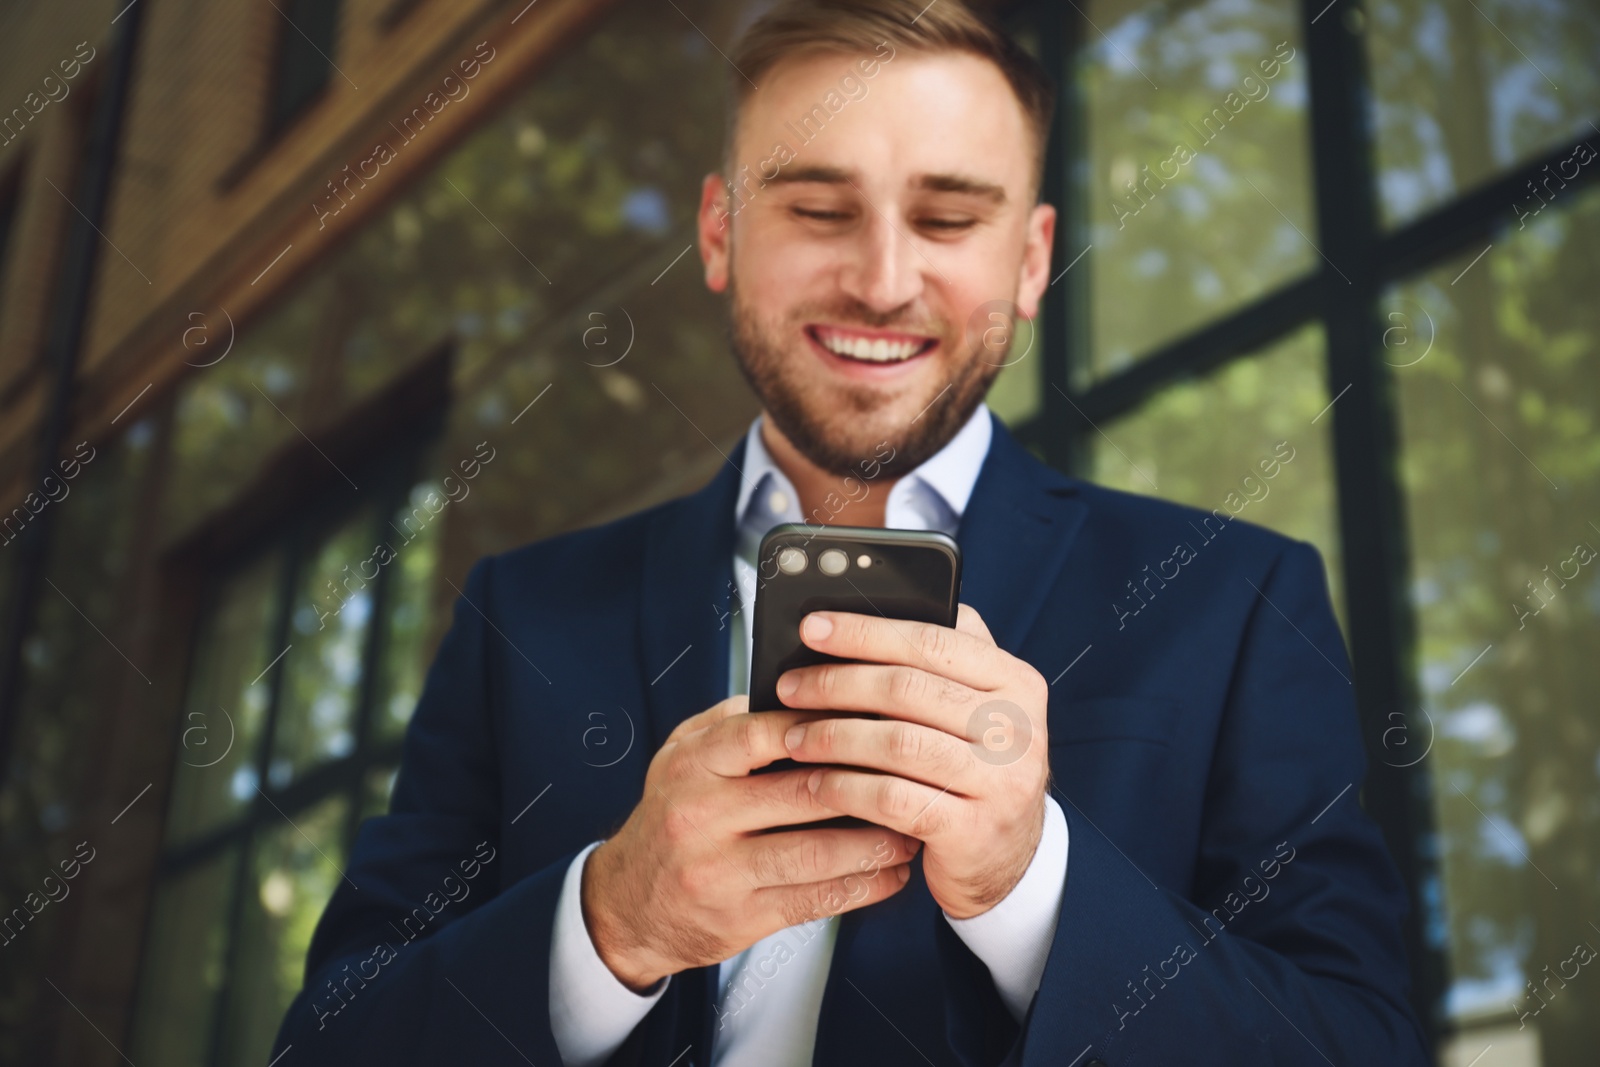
{"points": [[1227, 901]]}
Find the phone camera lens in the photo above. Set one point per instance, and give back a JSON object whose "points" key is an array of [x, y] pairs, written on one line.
{"points": [[833, 562], [791, 560]]}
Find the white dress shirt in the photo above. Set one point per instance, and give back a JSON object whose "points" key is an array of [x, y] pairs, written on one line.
{"points": [[770, 995]]}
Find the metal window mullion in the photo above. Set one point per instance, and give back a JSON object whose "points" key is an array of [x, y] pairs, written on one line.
{"points": [[258, 811], [1453, 227], [377, 641], [1242, 334], [1366, 460], [1059, 430]]}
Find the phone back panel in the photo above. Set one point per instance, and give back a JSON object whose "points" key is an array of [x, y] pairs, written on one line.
{"points": [[913, 574]]}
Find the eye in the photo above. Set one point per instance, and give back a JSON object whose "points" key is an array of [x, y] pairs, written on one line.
{"points": [[948, 225], [821, 216]]}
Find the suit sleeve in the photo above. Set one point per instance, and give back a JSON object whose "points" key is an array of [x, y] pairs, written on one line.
{"points": [[591, 1011], [423, 956], [1287, 949], [1013, 937]]}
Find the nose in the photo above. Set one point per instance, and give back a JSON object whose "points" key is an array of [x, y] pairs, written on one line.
{"points": [[885, 271]]}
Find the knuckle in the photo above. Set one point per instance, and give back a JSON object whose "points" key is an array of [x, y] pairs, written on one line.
{"points": [[747, 736], [1037, 686], [772, 866], [694, 879], [800, 796], [674, 826], [952, 693], [821, 737], [894, 797], [802, 907], [905, 742], [825, 679], [677, 825], [679, 767], [814, 857], [907, 686], [830, 899], [934, 643]]}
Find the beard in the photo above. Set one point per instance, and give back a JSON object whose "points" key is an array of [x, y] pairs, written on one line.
{"points": [[836, 424]]}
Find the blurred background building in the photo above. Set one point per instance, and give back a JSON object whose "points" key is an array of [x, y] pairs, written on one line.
{"points": [[282, 281]]}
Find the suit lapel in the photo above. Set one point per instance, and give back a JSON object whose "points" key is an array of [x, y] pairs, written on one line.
{"points": [[1015, 532], [684, 604]]}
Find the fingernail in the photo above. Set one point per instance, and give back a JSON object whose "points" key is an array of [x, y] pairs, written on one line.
{"points": [[905, 872], [793, 738], [787, 684], [816, 627], [815, 781]]}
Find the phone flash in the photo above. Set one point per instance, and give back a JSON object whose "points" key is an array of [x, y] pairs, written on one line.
{"points": [[863, 560], [791, 560], [833, 562]]}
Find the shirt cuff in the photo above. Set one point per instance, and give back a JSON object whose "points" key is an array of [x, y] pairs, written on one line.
{"points": [[591, 1011], [1013, 938]]}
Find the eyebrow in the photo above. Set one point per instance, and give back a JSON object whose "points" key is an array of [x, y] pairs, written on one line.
{"points": [[933, 183]]}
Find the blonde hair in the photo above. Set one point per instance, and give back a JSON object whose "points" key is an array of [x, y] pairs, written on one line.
{"points": [[852, 27]]}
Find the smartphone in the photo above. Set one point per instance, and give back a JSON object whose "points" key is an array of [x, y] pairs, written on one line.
{"points": [[801, 567]]}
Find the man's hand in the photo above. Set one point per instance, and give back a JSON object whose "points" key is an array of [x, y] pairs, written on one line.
{"points": [[691, 879], [963, 749]]}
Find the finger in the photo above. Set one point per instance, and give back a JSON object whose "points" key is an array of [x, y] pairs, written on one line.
{"points": [[902, 692], [968, 621], [913, 808], [734, 705], [823, 900], [804, 857], [737, 744], [904, 749], [944, 650], [772, 801]]}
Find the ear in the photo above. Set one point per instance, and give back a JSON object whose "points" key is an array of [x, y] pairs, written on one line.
{"points": [[1035, 277], [716, 231]]}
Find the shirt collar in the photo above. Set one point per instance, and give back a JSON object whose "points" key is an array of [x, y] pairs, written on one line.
{"points": [[951, 473]]}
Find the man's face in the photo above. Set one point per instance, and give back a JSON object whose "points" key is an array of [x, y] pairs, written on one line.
{"points": [[865, 275]]}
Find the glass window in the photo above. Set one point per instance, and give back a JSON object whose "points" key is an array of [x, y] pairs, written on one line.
{"points": [[292, 873], [330, 615], [283, 664], [242, 407], [1462, 91], [412, 611], [1500, 413], [185, 965], [305, 46], [226, 709], [1197, 171], [1016, 395], [1253, 435]]}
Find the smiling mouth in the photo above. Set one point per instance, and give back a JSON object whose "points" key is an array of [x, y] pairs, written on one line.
{"points": [[870, 348]]}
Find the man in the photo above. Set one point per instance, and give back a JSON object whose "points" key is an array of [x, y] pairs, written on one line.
{"points": [[1164, 861]]}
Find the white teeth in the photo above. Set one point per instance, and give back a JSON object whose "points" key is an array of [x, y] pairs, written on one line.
{"points": [[875, 351]]}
